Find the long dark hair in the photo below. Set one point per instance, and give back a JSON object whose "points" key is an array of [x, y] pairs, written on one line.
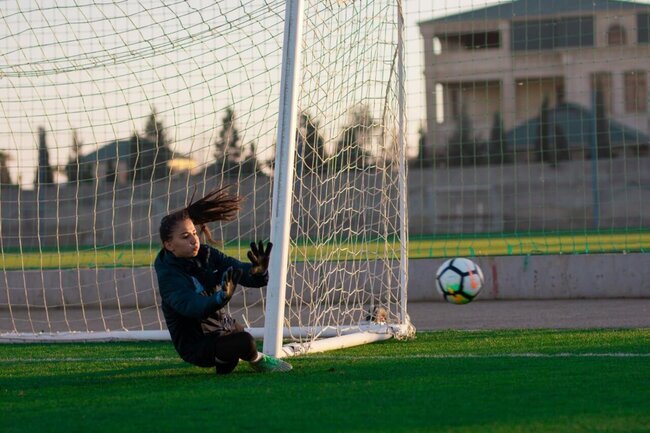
{"points": [[217, 205]]}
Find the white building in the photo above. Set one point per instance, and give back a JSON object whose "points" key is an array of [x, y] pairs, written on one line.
{"points": [[509, 57]]}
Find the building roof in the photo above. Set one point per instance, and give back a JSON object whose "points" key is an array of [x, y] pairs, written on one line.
{"points": [[522, 8], [111, 151], [577, 123], [120, 150]]}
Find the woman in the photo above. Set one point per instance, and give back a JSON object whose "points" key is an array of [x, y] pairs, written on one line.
{"points": [[196, 282]]}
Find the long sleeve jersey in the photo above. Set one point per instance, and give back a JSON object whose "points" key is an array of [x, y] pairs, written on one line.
{"points": [[189, 289]]}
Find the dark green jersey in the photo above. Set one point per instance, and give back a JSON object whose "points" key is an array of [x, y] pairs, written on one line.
{"points": [[191, 295]]}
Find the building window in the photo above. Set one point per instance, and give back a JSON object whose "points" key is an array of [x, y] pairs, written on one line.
{"points": [[437, 46], [470, 41], [616, 35], [643, 28], [550, 34], [636, 92], [602, 82]]}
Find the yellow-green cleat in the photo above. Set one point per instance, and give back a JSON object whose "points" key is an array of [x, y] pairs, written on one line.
{"points": [[270, 364]]}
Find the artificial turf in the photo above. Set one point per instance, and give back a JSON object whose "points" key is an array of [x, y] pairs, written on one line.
{"points": [[446, 381]]}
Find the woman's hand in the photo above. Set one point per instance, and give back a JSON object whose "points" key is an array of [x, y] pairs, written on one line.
{"points": [[260, 257], [229, 282]]}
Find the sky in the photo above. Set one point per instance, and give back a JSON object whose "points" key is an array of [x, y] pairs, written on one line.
{"points": [[100, 71], [102, 77]]}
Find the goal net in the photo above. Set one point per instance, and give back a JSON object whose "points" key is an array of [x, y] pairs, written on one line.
{"points": [[116, 113]]}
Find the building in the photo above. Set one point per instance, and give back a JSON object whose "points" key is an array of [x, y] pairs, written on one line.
{"points": [[509, 58], [137, 158]]}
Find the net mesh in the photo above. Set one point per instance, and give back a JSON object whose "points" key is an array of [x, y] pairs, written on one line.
{"points": [[117, 113], [528, 127], [527, 134]]}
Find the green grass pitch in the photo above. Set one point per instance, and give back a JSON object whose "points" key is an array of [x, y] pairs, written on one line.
{"points": [[446, 381], [90, 257]]}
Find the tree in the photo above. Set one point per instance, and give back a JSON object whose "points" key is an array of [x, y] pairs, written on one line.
{"points": [[230, 153], [227, 146], [249, 164], [310, 143], [5, 178], [551, 148], [496, 147], [149, 154], [561, 144], [154, 133], [542, 142], [141, 159], [73, 170], [423, 158], [603, 144], [351, 148], [135, 159], [44, 174], [462, 147]]}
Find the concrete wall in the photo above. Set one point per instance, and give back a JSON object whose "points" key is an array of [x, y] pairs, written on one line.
{"points": [[513, 277], [524, 197], [518, 197], [546, 277], [512, 198]]}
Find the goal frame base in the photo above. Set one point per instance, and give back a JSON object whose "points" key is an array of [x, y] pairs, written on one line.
{"points": [[327, 338]]}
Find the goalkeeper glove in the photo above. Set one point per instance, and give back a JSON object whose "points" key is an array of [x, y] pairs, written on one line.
{"points": [[229, 282], [260, 257]]}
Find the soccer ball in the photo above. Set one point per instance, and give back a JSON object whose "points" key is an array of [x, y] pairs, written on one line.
{"points": [[459, 280]]}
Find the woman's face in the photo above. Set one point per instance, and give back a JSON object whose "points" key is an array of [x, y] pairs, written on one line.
{"points": [[184, 242]]}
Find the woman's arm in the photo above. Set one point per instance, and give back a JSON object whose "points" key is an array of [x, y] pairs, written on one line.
{"points": [[219, 262], [179, 292]]}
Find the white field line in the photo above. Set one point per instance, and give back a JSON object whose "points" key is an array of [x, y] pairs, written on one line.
{"points": [[72, 360], [493, 355], [353, 358]]}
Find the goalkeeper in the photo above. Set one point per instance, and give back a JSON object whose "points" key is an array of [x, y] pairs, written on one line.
{"points": [[196, 282]]}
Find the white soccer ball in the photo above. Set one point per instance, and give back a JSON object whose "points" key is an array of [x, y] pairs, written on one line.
{"points": [[459, 280]]}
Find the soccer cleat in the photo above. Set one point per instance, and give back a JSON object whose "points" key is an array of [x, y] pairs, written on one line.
{"points": [[270, 364]]}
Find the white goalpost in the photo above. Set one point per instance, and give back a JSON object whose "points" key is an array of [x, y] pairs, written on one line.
{"points": [[299, 105], [281, 213], [284, 176]]}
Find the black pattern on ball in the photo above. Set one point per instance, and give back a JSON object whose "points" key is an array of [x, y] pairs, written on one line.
{"points": [[459, 280]]}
